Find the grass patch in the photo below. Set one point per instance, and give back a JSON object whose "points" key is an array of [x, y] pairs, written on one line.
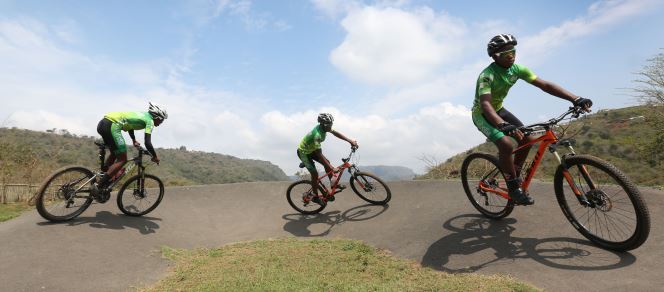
{"points": [[313, 265], [12, 210]]}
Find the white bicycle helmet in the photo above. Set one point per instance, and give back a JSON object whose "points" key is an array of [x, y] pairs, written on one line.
{"points": [[157, 112]]}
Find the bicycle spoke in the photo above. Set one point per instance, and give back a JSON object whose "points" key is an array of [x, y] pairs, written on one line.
{"points": [[65, 195], [613, 217], [140, 195]]}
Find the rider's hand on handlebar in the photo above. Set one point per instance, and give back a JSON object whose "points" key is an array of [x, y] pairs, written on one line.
{"points": [[584, 103], [155, 159], [137, 144], [353, 145], [510, 130]]}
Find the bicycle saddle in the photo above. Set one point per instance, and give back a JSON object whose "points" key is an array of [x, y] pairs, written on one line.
{"points": [[100, 144]]}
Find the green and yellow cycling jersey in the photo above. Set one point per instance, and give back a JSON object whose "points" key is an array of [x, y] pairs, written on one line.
{"points": [[132, 120], [311, 142], [497, 81]]}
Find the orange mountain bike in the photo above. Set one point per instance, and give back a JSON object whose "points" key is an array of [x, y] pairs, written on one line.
{"points": [[597, 198], [366, 185]]}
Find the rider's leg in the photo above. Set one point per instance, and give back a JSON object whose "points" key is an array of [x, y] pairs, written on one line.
{"points": [[505, 158], [119, 162], [109, 161], [309, 164], [521, 155], [506, 161], [320, 158]]}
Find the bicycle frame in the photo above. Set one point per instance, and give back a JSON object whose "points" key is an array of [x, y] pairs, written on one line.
{"points": [[547, 141], [135, 161], [335, 184]]}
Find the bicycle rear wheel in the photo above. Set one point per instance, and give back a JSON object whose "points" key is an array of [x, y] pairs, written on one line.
{"points": [[65, 195], [370, 188], [482, 168], [297, 197], [618, 218], [140, 195]]}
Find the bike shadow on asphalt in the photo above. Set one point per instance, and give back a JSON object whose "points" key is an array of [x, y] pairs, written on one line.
{"points": [[107, 220], [301, 225], [474, 237]]}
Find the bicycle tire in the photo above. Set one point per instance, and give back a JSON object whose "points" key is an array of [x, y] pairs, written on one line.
{"points": [[45, 200], [295, 194], [371, 187], [139, 194], [605, 204], [503, 207]]}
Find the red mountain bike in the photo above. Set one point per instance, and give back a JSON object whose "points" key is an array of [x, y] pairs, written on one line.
{"points": [[366, 185], [597, 198]]}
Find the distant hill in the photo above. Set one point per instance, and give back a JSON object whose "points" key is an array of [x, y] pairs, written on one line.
{"points": [[613, 135], [29, 156], [390, 173]]}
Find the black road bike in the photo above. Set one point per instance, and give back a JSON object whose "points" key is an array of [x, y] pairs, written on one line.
{"points": [[70, 190]]}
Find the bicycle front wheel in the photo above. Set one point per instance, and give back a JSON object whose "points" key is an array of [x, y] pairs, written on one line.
{"points": [[617, 218], [65, 194], [140, 195], [370, 188], [298, 197], [480, 172]]}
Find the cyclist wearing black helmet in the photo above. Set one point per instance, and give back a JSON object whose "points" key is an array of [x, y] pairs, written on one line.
{"points": [[496, 122], [110, 128], [310, 150]]}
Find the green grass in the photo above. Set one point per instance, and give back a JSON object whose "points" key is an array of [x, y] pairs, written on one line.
{"points": [[313, 265], [12, 210]]}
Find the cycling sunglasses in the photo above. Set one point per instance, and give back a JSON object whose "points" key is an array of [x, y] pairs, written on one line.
{"points": [[511, 52]]}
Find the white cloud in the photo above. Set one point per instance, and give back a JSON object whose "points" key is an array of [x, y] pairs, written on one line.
{"points": [[439, 130], [390, 46], [43, 85], [44, 120], [335, 8], [601, 16]]}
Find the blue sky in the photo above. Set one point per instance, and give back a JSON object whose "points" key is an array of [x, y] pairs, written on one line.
{"points": [[247, 78]]}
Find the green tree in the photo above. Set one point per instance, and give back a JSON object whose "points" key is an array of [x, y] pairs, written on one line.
{"points": [[649, 90]]}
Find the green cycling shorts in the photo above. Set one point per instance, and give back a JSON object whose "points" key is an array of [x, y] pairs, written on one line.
{"points": [[491, 132]]}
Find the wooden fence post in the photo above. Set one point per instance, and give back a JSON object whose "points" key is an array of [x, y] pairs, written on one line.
{"points": [[2, 197]]}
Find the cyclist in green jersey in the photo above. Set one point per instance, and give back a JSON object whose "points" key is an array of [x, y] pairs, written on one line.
{"points": [[110, 128], [496, 122], [310, 150]]}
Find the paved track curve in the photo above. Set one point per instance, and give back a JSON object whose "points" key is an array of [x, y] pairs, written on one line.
{"points": [[430, 222]]}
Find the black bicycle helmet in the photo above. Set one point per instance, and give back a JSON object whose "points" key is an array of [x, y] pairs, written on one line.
{"points": [[325, 118], [499, 41]]}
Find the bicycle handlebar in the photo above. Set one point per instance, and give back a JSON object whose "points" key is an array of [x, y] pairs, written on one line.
{"points": [[352, 151], [575, 111], [142, 150]]}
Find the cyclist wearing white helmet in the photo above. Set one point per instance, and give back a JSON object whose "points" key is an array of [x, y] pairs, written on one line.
{"points": [[111, 126], [496, 122], [310, 150]]}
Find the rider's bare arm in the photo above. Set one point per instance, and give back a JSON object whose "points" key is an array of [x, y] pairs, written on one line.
{"points": [[554, 89], [488, 110], [342, 137]]}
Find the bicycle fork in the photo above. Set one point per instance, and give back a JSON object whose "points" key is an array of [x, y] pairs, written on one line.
{"points": [[583, 200]]}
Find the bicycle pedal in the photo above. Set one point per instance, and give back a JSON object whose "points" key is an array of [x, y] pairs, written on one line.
{"points": [[330, 198]]}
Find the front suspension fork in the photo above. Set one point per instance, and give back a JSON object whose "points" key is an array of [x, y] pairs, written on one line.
{"points": [[583, 200]]}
